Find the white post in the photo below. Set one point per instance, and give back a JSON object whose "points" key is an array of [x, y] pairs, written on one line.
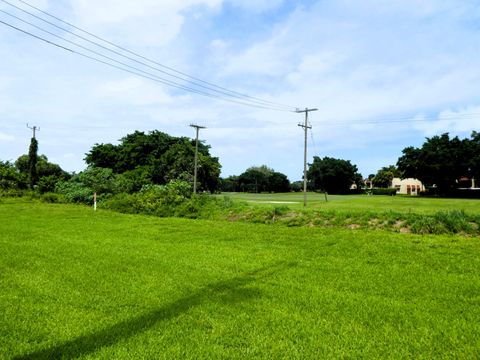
{"points": [[94, 201]]}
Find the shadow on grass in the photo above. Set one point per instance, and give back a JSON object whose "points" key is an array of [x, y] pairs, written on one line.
{"points": [[229, 291]]}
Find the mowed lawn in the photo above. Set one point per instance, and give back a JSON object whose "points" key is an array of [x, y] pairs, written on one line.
{"points": [[359, 203], [79, 284]]}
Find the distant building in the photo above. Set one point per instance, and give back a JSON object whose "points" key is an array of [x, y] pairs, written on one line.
{"points": [[407, 186], [466, 183]]}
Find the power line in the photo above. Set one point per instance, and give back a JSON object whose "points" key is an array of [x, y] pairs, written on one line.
{"points": [[212, 87], [137, 71], [245, 99], [390, 122], [134, 53]]}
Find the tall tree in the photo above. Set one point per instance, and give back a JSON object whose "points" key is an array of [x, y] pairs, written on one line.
{"points": [[442, 161], [334, 176], [32, 162]]}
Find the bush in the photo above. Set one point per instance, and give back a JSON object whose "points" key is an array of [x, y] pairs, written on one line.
{"points": [[124, 203], [427, 225], [53, 198], [442, 222], [47, 184], [383, 191], [75, 192], [454, 221], [13, 193], [173, 199]]}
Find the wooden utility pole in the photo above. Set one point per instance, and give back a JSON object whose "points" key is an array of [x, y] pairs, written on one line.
{"points": [[197, 128], [305, 128]]}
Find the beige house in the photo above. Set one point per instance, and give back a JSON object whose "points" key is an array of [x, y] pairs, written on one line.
{"points": [[408, 186]]}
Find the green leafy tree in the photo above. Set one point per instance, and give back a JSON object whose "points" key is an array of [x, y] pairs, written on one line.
{"points": [[442, 161], [32, 163], [161, 157], [263, 179], [11, 178], [133, 180], [296, 186], [100, 180], [47, 173], [385, 175], [229, 184], [334, 176], [473, 156]]}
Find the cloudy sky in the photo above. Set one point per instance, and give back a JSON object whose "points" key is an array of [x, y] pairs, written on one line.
{"points": [[384, 74]]}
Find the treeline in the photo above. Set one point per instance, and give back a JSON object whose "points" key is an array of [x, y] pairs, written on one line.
{"points": [[443, 163], [257, 179], [143, 160], [138, 161], [155, 158]]}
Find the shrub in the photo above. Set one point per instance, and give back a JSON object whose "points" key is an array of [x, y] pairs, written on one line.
{"points": [[124, 203], [383, 191], [75, 192], [173, 199], [454, 221], [427, 225], [53, 198], [46, 184]]}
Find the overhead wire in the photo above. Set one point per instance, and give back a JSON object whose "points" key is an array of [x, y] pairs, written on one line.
{"points": [[453, 117], [312, 137], [190, 80], [138, 72], [143, 57]]}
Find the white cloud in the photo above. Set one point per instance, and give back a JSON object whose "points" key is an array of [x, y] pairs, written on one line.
{"points": [[353, 60], [457, 122], [134, 91], [142, 22], [6, 137], [256, 5]]}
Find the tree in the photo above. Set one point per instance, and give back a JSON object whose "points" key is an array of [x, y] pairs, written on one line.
{"points": [[229, 184], [32, 163], [442, 161], [334, 176], [11, 178], [47, 173], [385, 175], [278, 182], [296, 186], [263, 179], [157, 158]]}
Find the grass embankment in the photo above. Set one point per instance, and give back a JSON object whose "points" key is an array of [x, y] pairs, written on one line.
{"points": [[398, 214], [392, 213], [106, 285], [360, 203]]}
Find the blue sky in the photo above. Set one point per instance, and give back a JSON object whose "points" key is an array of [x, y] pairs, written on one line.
{"points": [[361, 63]]}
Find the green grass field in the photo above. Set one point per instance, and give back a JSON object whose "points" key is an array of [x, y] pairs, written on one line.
{"points": [[359, 203], [79, 284]]}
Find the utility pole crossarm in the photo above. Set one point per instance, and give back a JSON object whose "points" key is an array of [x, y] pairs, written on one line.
{"points": [[305, 127], [197, 129], [34, 129]]}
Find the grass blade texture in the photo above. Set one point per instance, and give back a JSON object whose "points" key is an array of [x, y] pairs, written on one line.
{"points": [[79, 284]]}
